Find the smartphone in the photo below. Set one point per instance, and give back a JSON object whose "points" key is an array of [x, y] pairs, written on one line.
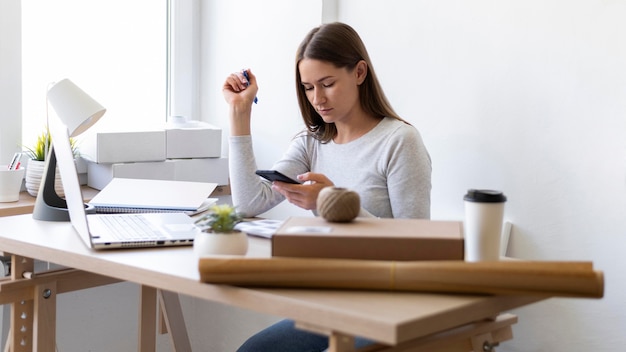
{"points": [[274, 175]]}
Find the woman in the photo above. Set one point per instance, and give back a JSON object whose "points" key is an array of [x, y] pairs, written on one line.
{"points": [[353, 139]]}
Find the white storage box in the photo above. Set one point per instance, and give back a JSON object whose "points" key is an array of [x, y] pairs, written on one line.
{"points": [[193, 140], [214, 170], [99, 175], [122, 147]]}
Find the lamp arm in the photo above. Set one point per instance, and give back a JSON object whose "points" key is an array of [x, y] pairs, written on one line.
{"points": [[49, 193], [48, 205]]}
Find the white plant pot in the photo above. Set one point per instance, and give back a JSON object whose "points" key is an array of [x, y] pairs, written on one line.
{"points": [[34, 173], [208, 244]]}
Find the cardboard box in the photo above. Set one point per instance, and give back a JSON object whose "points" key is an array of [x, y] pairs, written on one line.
{"points": [[123, 147], [369, 238], [193, 140]]}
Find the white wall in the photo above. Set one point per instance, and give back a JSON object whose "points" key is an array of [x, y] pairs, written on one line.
{"points": [[524, 96], [10, 80], [528, 97]]}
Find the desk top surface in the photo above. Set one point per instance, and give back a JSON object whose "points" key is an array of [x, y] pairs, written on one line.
{"points": [[383, 316]]}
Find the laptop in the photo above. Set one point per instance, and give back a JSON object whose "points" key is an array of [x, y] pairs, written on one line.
{"points": [[108, 231]]}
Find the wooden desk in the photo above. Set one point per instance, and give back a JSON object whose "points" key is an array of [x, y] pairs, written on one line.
{"points": [[426, 321]]}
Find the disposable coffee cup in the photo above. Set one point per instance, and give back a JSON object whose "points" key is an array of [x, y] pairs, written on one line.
{"points": [[484, 213], [10, 183]]}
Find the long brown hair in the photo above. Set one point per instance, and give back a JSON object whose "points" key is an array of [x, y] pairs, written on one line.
{"points": [[340, 45]]}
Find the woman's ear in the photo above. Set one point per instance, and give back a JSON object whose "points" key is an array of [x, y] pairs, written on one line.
{"points": [[361, 71]]}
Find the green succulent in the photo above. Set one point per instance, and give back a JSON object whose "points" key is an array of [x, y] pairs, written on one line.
{"points": [[220, 219], [42, 145]]}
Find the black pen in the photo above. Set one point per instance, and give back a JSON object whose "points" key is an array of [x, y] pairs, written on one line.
{"points": [[245, 74]]}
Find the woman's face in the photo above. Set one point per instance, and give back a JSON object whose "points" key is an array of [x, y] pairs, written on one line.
{"points": [[332, 91]]}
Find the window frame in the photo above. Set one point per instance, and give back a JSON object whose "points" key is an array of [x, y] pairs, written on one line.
{"points": [[183, 57], [182, 82]]}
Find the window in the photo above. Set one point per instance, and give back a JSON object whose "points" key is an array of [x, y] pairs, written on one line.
{"points": [[115, 50]]}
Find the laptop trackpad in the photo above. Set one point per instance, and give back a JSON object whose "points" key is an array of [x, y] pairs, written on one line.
{"points": [[179, 227]]}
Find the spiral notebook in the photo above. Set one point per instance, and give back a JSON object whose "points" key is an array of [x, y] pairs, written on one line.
{"points": [[126, 195]]}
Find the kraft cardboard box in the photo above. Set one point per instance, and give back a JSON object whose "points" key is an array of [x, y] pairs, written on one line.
{"points": [[369, 238]]}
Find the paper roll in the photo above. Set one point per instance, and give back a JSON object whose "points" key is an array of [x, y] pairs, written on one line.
{"points": [[542, 278]]}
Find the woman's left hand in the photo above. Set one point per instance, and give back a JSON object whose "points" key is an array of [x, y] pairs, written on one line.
{"points": [[304, 195]]}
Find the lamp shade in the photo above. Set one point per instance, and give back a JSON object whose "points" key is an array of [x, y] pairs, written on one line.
{"points": [[75, 108]]}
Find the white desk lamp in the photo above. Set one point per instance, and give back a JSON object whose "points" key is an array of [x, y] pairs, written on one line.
{"points": [[78, 111]]}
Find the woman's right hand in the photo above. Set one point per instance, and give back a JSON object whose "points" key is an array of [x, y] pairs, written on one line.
{"points": [[238, 91], [304, 195], [239, 95]]}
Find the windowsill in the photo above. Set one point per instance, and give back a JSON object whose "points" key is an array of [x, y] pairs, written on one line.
{"points": [[26, 202]]}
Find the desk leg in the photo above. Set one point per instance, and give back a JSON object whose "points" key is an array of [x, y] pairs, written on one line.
{"points": [[172, 316], [147, 319], [33, 321], [33, 298], [478, 337], [174, 320], [21, 337], [44, 324], [340, 343], [337, 342]]}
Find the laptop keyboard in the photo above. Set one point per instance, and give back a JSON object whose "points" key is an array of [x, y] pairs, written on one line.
{"points": [[131, 227]]}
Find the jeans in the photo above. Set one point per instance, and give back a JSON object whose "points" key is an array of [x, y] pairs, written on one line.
{"points": [[284, 337]]}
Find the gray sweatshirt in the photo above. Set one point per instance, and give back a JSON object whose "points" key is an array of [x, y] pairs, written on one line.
{"points": [[389, 167]]}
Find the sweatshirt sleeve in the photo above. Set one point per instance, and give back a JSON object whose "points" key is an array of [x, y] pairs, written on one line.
{"points": [[409, 175], [250, 193]]}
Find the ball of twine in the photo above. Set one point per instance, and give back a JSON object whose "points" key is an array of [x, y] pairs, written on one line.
{"points": [[336, 204]]}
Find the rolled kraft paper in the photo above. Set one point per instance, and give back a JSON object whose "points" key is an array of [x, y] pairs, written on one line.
{"points": [[524, 278], [336, 204]]}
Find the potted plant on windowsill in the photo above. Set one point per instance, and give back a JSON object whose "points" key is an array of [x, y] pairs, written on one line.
{"points": [[219, 236], [37, 158]]}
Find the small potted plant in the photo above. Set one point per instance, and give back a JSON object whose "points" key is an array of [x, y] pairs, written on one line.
{"points": [[37, 157], [218, 235]]}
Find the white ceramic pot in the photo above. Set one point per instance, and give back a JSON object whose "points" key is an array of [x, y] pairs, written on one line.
{"points": [[34, 173], [210, 243]]}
